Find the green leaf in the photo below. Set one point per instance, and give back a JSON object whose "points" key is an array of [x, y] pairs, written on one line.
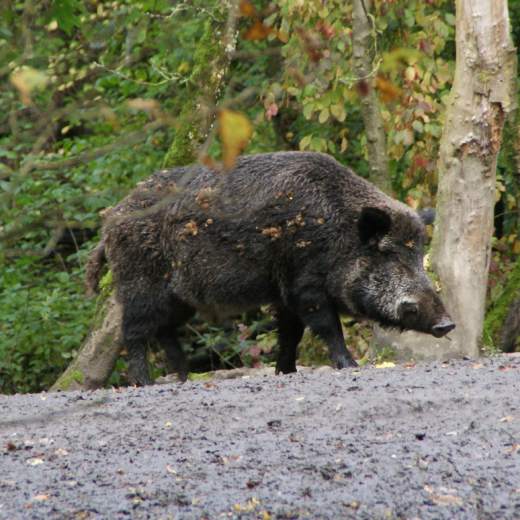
{"points": [[418, 126], [308, 110], [450, 19], [65, 12], [305, 142]]}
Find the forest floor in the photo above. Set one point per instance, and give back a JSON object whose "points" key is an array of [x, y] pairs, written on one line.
{"points": [[431, 441]]}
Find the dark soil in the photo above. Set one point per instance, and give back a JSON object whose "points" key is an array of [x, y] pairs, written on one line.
{"points": [[434, 441]]}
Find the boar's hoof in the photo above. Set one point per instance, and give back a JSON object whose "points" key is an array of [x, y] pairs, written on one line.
{"points": [[443, 327], [285, 368], [138, 376], [140, 380], [345, 362]]}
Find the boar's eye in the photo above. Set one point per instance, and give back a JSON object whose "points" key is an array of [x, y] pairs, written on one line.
{"points": [[373, 224]]}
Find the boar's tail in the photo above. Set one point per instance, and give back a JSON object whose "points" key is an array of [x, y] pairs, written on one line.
{"points": [[95, 263]]}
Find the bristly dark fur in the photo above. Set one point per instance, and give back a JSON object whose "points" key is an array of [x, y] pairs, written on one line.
{"points": [[292, 229]]}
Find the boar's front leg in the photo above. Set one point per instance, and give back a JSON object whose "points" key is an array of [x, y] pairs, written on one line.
{"points": [[321, 317], [290, 332], [178, 314]]}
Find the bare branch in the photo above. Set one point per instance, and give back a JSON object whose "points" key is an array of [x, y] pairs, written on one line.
{"points": [[126, 140]]}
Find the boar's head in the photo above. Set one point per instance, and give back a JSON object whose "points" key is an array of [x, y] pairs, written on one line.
{"points": [[389, 284]]}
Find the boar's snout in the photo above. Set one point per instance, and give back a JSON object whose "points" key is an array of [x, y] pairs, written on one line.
{"points": [[442, 327], [425, 315]]}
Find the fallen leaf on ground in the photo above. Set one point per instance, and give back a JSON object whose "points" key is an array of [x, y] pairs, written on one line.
{"points": [[446, 500], [40, 498], [385, 364], [61, 452], [35, 461]]}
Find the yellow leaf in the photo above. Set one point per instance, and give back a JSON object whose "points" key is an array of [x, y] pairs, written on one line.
{"points": [[409, 73], [338, 111], [324, 115], [385, 364], [27, 79], [35, 461], [234, 130], [183, 68]]}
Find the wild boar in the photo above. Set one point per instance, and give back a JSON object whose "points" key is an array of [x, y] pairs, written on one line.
{"points": [[296, 230]]}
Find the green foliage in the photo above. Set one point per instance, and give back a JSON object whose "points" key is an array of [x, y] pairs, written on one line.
{"points": [[74, 377], [42, 324], [249, 342], [412, 77]]}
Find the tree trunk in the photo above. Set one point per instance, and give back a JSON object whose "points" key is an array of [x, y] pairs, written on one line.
{"points": [[363, 54], [483, 93], [96, 358]]}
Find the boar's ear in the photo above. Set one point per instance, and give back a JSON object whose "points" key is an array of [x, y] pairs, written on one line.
{"points": [[373, 224], [427, 215]]}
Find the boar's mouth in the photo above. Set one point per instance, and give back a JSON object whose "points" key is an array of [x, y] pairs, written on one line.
{"points": [[442, 327]]}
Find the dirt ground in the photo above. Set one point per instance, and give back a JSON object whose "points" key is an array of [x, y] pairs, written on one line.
{"points": [[432, 441]]}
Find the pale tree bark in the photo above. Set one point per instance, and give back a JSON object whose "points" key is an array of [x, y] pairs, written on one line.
{"points": [[363, 58], [483, 93], [96, 358]]}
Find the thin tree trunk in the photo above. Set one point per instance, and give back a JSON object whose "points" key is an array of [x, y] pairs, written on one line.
{"points": [[96, 358], [363, 54], [483, 93], [211, 63]]}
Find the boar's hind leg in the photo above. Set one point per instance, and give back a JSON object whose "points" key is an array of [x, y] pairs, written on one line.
{"points": [[290, 331], [321, 317], [139, 328], [175, 356]]}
